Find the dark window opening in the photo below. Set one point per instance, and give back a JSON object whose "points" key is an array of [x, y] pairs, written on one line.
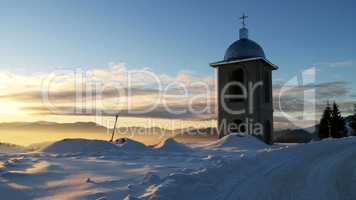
{"points": [[236, 76]]}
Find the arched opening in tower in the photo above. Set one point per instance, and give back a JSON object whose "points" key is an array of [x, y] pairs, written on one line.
{"points": [[236, 89]]}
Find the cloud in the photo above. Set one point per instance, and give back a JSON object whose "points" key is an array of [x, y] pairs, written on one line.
{"points": [[326, 90], [331, 89], [294, 98], [71, 95], [106, 91], [345, 63], [342, 63], [198, 111]]}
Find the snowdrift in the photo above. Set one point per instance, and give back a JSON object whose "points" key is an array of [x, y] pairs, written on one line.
{"points": [[132, 146], [85, 146], [316, 167], [171, 145], [350, 130], [80, 146], [11, 148], [236, 140]]}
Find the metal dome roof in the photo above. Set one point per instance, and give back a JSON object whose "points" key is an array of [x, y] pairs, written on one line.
{"points": [[242, 49]]}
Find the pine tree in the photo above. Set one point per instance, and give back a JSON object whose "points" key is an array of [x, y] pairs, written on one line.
{"points": [[337, 123], [353, 119], [324, 127]]}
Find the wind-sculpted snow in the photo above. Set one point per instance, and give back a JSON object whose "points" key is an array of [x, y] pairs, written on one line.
{"points": [[82, 146], [319, 170], [87, 147], [103, 170], [132, 146], [10, 148], [171, 145], [236, 140]]}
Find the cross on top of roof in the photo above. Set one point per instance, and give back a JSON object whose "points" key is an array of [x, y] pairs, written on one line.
{"points": [[243, 17]]}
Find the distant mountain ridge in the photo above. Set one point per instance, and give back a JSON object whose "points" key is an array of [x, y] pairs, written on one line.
{"points": [[48, 126], [282, 135], [92, 127]]}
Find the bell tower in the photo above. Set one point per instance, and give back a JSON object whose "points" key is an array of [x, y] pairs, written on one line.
{"points": [[245, 89]]}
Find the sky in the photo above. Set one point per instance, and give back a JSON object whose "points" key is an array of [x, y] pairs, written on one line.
{"points": [[174, 39]]}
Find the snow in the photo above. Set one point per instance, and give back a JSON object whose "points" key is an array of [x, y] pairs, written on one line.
{"points": [[171, 145], [131, 198], [349, 129], [237, 140], [132, 146], [93, 147], [313, 171], [10, 148], [234, 167], [80, 146]]}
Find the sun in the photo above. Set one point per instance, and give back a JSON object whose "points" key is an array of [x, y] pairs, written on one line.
{"points": [[9, 108]]}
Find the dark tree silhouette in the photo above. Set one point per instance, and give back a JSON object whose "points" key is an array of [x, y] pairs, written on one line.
{"points": [[337, 123], [324, 127]]}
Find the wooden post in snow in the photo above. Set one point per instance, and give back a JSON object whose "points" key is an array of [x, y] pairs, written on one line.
{"points": [[114, 129]]}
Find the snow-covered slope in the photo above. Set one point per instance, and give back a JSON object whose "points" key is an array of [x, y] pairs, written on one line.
{"points": [[80, 146], [171, 145], [319, 170], [132, 146], [10, 148], [349, 129], [238, 141], [85, 146]]}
